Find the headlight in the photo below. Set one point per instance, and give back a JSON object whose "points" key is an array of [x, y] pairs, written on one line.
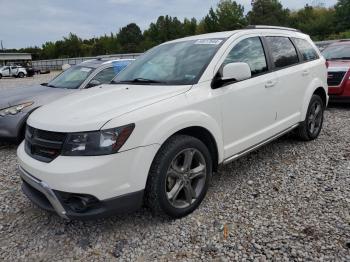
{"points": [[103, 142], [14, 109]]}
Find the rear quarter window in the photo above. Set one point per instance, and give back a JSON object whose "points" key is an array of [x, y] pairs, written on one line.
{"points": [[306, 49], [283, 51]]}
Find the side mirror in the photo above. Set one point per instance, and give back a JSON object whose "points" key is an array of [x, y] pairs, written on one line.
{"points": [[93, 83], [236, 71], [232, 72]]}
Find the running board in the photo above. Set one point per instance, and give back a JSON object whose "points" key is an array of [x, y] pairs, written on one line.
{"points": [[250, 149]]}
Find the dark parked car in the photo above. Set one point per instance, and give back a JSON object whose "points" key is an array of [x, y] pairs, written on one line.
{"points": [[16, 104]]}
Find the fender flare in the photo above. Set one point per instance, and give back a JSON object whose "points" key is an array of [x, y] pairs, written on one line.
{"points": [[314, 85], [174, 123]]}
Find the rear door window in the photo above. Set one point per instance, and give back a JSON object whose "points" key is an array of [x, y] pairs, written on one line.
{"points": [[306, 49], [283, 51]]}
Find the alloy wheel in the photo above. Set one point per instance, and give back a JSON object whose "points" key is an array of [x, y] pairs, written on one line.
{"points": [[315, 118], [185, 179]]}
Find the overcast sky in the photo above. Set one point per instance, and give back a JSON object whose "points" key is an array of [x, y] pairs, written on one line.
{"points": [[28, 23]]}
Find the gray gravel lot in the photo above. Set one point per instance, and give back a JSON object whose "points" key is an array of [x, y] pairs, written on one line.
{"points": [[287, 201], [8, 82]]}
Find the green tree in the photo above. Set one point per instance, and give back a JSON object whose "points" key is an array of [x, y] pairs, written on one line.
{"points": [[318, 22], [189, 27], [72, 46], [130, 38], [210, 23], [268, 12], [342, 9], [228, 15], [166, 28]]}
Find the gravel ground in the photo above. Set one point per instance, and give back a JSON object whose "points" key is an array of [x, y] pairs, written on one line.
{"points": [[287, 201], [8, 82]]}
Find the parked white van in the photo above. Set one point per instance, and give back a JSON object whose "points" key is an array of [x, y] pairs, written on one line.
{"points": [[157, 133]]}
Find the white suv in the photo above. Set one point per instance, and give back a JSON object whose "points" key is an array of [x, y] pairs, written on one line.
{"points": [[159, 130]]}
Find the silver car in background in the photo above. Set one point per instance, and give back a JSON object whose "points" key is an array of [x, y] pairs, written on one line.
{"points": [[16, 104]]}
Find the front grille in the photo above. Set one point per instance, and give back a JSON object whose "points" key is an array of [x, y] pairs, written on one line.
{"points": [[43, 145], [335, 78]]}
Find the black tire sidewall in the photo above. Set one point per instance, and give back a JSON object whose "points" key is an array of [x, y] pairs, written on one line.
{"points": [[20, 75], [314, 98], [188, 142]]}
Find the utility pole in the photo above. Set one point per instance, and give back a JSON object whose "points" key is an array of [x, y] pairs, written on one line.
{"points": [[2, 47]]}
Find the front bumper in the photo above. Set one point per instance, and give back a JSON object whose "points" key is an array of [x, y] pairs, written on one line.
{"points": [[115, 181], [339, 99], [48, 199], [11, 126], [32, 182]]}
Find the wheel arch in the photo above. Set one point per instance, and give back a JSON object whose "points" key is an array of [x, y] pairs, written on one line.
{"points": [[316, 87], [321, 93], [206, 137], [192, 122]]}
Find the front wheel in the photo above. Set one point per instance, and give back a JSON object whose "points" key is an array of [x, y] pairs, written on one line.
{"points": [[312, 125], [179, 177], [20, 75]]}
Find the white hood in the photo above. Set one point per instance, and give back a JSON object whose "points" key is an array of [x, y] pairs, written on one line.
{"points": [[90, 109]]}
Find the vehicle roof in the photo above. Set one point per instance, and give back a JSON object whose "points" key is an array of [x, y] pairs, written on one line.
{"points": [[263, 29], [341, 42], [95, 63]]}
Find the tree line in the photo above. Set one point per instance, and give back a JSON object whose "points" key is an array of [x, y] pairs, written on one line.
{"points": [[319, 22]]}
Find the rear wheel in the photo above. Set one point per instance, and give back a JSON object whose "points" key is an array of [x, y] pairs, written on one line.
{"points": [[20, 74], [312, 125], [179, 177]]}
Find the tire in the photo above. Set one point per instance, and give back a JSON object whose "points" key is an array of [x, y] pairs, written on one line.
{"points": [[168, 186], [311, 127], [20, 75], [0, 76]]}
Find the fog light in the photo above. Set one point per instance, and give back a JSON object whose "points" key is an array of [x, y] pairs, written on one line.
{"points": [[77, 202]]}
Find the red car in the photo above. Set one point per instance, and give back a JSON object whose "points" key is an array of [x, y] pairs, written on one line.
{"points": [[338, 58]]}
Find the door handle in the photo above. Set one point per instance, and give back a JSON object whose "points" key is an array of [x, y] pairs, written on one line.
{"points": [[306, 72], [270, 83]]}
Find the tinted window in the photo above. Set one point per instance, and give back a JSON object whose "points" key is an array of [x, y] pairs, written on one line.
{"points": [[306, 49], [337, 52], [105, 76], [250, 51], [283, 51]]}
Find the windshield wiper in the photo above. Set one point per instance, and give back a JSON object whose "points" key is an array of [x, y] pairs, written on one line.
{"points": [[140, 80]]}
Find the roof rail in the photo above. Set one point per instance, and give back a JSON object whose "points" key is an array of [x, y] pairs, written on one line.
{"points": [[271, 27]]}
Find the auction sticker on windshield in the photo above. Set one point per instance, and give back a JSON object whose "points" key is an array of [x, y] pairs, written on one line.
{"points": [[208, 42], [85, 69]]}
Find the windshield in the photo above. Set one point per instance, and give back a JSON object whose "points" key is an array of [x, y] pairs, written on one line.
{"points": [[337, 52], [72, 78], [180, 63]]}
